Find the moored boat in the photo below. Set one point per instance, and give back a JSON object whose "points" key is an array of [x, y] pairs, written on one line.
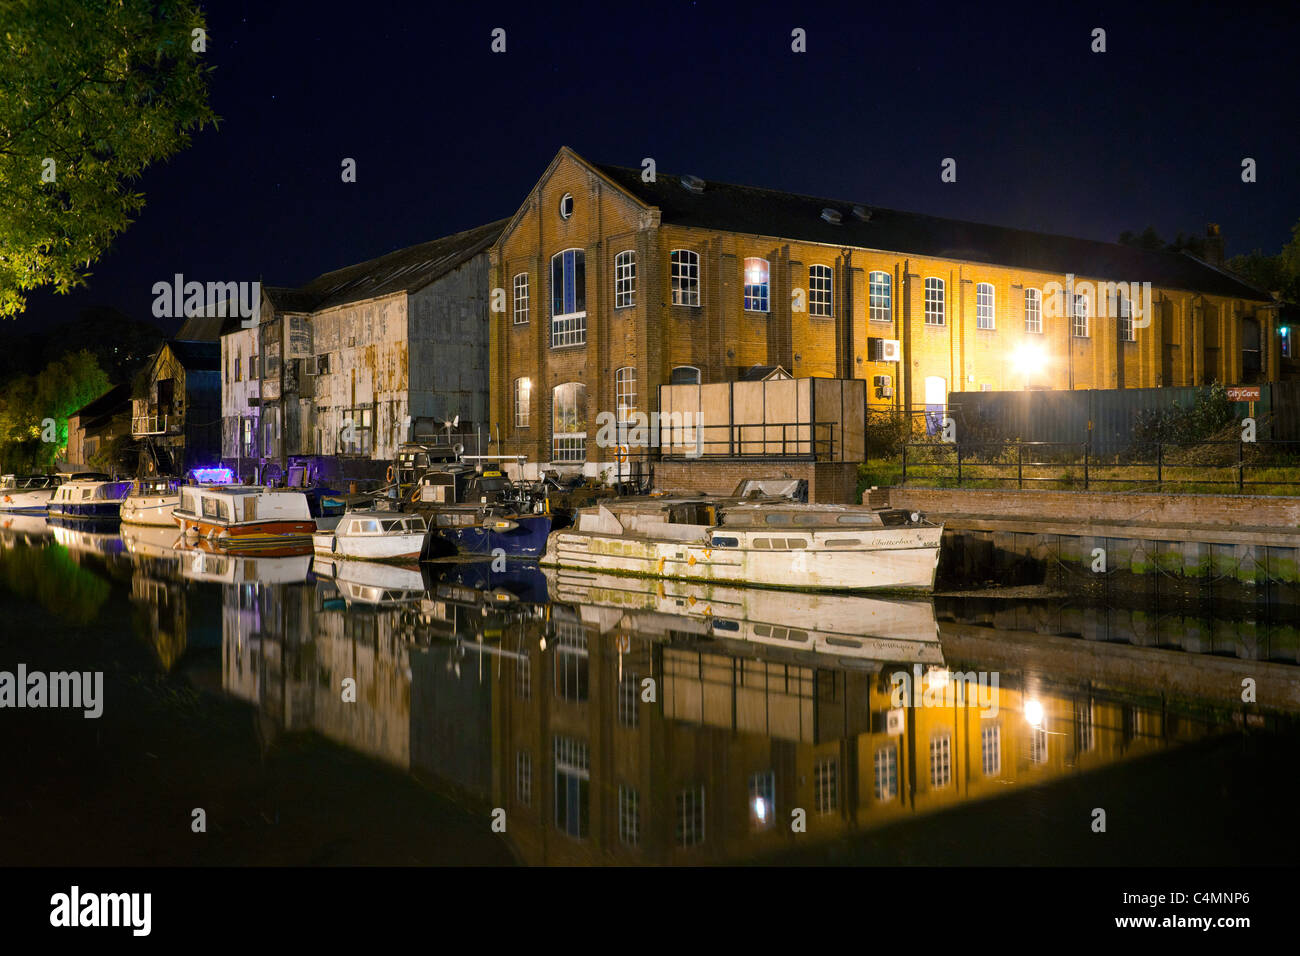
{"points": [[151, 502], [27, 494], [374, 536], [777, 543], [248, 515], [478, 510], [89, 497]]}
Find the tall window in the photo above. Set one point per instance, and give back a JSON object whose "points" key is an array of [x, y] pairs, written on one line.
{"points": [[629, 818], [625, 392], [756, 285], [248, 437], [880, 297], [569, 422], [521, 298], [826, 785], [568, 298], [628, 697], [572, 786], [572, 680], [690, 817], [685, 277], [1125, 320], [984, 306], [940, 761], [886, 766], [934, 302], [1038, 744], [238, 377], [358, 427], [1033, 310], [625, 279], [819, 291], [991, 749], [523, 401], [524, 777], [1079, 320], [762, 799]]}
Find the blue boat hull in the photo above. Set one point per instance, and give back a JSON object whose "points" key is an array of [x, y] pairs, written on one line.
{"points": [[528, 540], [89, 509]]}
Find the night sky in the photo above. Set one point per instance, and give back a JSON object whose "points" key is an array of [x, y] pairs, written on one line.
{"points": [[447, 135]]}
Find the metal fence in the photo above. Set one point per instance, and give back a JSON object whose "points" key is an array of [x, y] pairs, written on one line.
{"points": [[1240, 464]]}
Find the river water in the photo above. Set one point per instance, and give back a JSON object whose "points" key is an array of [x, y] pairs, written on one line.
{"points": [[284, 710]]}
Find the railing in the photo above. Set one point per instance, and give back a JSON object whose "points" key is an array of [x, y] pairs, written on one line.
{"points": [[1239, 464], [149, 425], [810, 441]]}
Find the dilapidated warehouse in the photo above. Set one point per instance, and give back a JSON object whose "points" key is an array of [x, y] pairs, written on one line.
{"points": [[338, 373]]}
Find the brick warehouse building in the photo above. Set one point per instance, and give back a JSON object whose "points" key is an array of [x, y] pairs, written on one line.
{"points": [[613, 286]]}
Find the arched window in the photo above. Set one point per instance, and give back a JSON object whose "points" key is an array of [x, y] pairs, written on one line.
{"points": [[819, 291], [984, 306], [685, 277], [880, 297], [568, 298], [569, 422], [935, 306], [685, 375], [1033, 310], [756, 285], [625, 279]]}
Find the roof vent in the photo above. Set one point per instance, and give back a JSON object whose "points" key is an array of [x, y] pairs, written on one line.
{"points": [[862, 212], [693, 184], [832, 216]]}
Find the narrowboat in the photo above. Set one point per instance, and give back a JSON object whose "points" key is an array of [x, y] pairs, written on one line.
{"points": [[248, 515], [89, 497], [374, 536], [776, 543], [26, 494]]}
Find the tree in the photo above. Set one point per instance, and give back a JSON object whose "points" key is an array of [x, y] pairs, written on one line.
{"points": [[1279, 273], [64, 386], [91, 93]]}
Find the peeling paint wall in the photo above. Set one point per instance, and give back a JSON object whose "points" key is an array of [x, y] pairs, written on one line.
{"points": [[239, 384], [449, 346]]}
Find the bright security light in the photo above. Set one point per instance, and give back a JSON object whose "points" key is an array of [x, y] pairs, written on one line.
{"points": [[1028, 358], [1034, 713]]}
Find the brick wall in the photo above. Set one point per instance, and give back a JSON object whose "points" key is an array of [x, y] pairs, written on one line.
{"points": [[828, 482]]}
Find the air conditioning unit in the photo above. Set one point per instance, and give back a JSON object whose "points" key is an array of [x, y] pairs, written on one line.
{"points": [[891, 350], [894, 722], [884, 386]]}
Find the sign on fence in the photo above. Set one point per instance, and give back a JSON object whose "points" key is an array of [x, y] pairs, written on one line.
{"points": [[1243, 393]]}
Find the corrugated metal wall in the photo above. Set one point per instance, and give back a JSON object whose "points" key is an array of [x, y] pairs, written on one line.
{"points": [[1108, 415]]}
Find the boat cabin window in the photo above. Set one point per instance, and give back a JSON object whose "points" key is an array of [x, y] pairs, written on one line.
{"points": [[209, 507], [870, 519], [692, 512], [370, 526], [842, 542], [187, 503], [86, 493], [763, 543], [725, 542], [777, 517]]}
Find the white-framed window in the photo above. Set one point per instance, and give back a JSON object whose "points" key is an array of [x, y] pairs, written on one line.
{"points": [[1038, 744], [625, 279], [991, 749], [568, 298], [684, 375], [819, 291], [685, 273], [935, 308], [940, 760], [880, 297], [984, 306], [1125, 319], [886, 772], [826, 784], [569, 422], [690, 817], [629, 816], [524, 777], [523, 401], [524, 678], [572, 678], [566, 206], [757, 285], [1079, 317], [762, 799], [1084, 726], [357, 431], [1033, 311], [521, 298], [629, 715], [572, 786], [249, 428], [625, 393]]}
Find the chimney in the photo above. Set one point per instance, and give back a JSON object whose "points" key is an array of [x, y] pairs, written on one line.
{"points": [[1213, 245]]}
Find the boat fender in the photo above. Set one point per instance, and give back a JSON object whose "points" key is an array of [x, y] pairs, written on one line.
{"points": [[391, 473]]}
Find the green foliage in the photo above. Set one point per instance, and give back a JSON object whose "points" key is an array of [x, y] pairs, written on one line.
{"points": [[64, 386], [103, 88], [1279, 273], [1208, 415]]}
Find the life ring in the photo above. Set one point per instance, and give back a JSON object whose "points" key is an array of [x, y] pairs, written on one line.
{"points": [[622, 454], [391, 473]]}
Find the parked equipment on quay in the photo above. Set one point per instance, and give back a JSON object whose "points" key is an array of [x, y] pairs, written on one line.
{"points": [[27, 494], [374, 536], [751, 538]]}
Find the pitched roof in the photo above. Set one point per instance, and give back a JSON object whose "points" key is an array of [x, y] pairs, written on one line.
{"points": [[769, 212], [406, 270], [197, 356], [111, 401], [207, 328]]}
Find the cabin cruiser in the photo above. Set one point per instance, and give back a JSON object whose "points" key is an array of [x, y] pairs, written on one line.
{"points": [[219, 567], [151, 502], [88, 496], [250, 515], [26, 494], [374, 536], [372, 585], [476, 509], [769, 541]]}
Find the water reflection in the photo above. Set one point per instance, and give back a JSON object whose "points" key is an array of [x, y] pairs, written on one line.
{"points": [[621, 720]]}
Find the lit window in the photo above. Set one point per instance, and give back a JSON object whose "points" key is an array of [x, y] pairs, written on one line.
{"points": [[934, 302], [1079, 320], [523, 401], [568, 298], [1038, 744], [880, 297], [1125, 320], [569, 422], [762, 799], [685, 277], [756, 285], [625, 392], [1033, 310], [625, 280], [984, 306], [521, 298], [940, 761], [819, 291]]}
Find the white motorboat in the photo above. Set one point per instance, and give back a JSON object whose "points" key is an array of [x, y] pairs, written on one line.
{"points": [[374, 536], [26, 494], [89, 497], [151, 502]]}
